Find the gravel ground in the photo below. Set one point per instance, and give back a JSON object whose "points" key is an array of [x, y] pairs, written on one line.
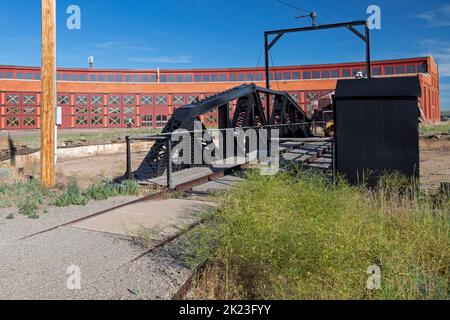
{"points": [[21, 226], [35, 267]]}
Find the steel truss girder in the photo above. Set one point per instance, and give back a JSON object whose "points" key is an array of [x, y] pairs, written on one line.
{"points": [[249, 113]]}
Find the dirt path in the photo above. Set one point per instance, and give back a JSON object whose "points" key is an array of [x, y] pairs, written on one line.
{"points": [[94, 169], [434, 163]]}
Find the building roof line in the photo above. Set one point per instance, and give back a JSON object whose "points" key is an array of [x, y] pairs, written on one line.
{"points": [[232, 69]]}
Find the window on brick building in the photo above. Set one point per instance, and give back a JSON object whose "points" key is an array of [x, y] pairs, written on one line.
{"points": [[334, 74], [422, 68], [388, 70], [376, 71], [399, 69], [161, 120], [411, 69], [147, 120]]}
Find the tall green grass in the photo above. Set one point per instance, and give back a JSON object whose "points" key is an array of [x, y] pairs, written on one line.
{"points": [[29, 196], [440, 128], [298, 237]]}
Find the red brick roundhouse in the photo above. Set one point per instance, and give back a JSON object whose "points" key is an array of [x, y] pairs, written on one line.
{"points": [[94, 98]]}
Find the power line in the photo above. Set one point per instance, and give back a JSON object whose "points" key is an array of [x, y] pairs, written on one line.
{"points": [[274, 73], [292, 6], [257, 64]]}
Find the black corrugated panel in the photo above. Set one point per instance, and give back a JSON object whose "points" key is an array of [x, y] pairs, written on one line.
{"points": [[377, 128]]}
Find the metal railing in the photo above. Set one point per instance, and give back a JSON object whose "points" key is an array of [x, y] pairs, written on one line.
{"points": [[167, 138]]}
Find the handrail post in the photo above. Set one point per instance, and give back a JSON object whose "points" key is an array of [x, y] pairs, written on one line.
{"points": [[128, 174], [170, 185]]}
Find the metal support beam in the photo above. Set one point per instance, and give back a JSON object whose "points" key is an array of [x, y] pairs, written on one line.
{"points": [[349, 25], [357, 33], [224, 123], [129, 173], [318, 27], [275, 40], [266, 52], [170, 184], [368, 58]]}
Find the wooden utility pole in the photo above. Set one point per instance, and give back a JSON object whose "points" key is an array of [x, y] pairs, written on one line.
{"points": [[48, 95]]}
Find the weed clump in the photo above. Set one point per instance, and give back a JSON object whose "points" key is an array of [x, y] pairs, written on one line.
{"points": [[27, 195], [71, 196], [100, 191]]}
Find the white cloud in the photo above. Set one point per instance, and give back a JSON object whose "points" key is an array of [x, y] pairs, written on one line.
{"points": [[106, 45], [439, 17], [440, 50], [162, 59], [132, 46], [444, 70]]}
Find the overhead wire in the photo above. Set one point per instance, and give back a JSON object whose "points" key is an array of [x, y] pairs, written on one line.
{"points": [[274, 75], [257, 64], [292, 6]]}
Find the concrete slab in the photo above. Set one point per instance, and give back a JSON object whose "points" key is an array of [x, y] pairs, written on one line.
{"points": [[290, 144], [184, 176], [191, 174], [162, 218], [221, 184]]}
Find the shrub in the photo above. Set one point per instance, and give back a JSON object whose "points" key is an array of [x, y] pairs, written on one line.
{"points": [[22, 193], [71, 196]]}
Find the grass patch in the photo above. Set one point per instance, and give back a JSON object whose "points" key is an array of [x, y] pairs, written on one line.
{"points": [[100, 191], [298, 237], [70, 196], [435, 129], [29, 196], [144, 237]]}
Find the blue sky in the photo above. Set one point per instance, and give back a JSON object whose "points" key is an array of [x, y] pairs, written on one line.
{"points": [[219, 33]]}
